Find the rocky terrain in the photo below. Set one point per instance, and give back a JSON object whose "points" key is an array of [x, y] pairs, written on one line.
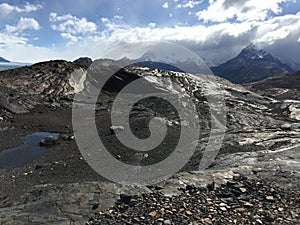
{"points": [[280, 86], [239, 201], [250, 65], [261, 142]]}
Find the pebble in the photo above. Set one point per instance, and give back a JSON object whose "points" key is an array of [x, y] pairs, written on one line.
{"points": [[243, 190], [167, 222], [199, 206], [270, 198]]}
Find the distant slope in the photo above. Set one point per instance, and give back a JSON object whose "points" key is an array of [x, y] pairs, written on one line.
{"points": [[279, 86], [7, 65], [3, 60], [251, 65], [12, 65]]}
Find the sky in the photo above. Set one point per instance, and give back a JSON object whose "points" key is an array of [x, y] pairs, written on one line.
{"points": [[216, 30]]}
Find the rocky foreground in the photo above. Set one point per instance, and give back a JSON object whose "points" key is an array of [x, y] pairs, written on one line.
{"points": [[253, 179], [239, 201]]}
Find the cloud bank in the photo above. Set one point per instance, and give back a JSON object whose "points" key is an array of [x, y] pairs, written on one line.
{"points": [[218, 31]]}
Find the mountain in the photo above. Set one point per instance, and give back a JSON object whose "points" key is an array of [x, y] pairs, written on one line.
{"points": [[12, 65], [7, 65], [176, 62], [281, 86], [3, 60], [83, 61], [251, 64]]}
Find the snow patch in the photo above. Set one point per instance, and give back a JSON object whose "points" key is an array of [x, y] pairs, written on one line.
{"points": [[77, 80]]}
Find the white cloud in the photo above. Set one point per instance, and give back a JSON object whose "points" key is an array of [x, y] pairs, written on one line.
{"points": [[14, 44], [23, 24], [241, 10], [6, 9], [10, 40], [71, 27], [71, 37], [165, 5], [188, 4], [152, 25], [215, 43], [104, 20], [16, 49], [118, 17], [218, 42]]}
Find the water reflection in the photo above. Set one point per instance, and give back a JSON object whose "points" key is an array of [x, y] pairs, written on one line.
{"points": [[30, 151]]}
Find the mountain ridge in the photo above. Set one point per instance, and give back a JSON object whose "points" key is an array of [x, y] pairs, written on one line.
{"points": [[3, 59]]}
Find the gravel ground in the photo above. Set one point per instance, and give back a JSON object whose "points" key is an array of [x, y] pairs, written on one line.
{"points": [[240, 201]]}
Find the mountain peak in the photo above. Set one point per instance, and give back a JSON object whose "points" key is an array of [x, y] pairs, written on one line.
{"points": [[148, 56], [251, 46], [252, 52], [83, 61]]}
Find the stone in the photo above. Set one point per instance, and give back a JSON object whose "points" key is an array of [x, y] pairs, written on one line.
{"points": [[243, 190], [189, 213], [207, 220], [49, 141], [223, 209], [153, 214], [167, 222], [270, 198], [248, 205], [116, 129]]}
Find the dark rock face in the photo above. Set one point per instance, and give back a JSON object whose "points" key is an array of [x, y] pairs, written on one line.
{"points": [[279, 86], [84, 61], [251, 65]]}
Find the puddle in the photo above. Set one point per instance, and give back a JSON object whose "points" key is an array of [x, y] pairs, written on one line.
{"points": [[30, 151]]}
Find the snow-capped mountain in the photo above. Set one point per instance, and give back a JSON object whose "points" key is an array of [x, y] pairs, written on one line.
{"points": [[251, 64], [251, 52], [175, 62]]}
